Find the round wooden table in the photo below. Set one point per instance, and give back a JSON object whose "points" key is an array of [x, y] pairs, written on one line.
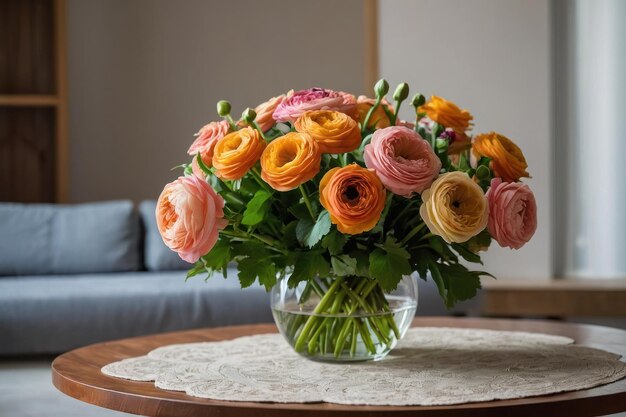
{"points": [[77, 374]]}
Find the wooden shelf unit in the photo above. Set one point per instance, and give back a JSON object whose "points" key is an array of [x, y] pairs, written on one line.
{"points": [[565, 297], [33, 101]]}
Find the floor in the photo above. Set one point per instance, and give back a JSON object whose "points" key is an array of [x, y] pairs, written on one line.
{"points": [[27, 391]]}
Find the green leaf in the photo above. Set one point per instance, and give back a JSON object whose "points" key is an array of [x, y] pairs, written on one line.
{"points": [[251, 249], [438, 278], [300, 211], [252, 267], [197, 268], [267, 274], [303, 229], [388, 263], [307, 266], [362, 263], [256, 208], [419, 260], [247, 272], [468, 255], [343, 265], [462, 284], [309, 234], [441, 247], [219, 256], [334, 242], [289, 234]]}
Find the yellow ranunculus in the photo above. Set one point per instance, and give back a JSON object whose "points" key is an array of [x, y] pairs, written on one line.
{"points": [[236, 153], [507, 159], [334, 132], [454, 207], [290, 161], [447, 114]]}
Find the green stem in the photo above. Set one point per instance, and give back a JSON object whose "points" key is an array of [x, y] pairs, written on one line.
{"points": [[369, 114], [231, 122], [250, 236], [396, 109], [384, 215], [257, 177], [321, 306], [412, 233], [257, 127], [402, 212], [427, 236], [353, 343], [316, 287], [307, 202]]}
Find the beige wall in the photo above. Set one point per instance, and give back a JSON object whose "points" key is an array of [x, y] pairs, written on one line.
{"points": [[144, 75], [493, 58]]}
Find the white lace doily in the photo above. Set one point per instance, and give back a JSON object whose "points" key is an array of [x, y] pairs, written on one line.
{"points": [[431, 366]]}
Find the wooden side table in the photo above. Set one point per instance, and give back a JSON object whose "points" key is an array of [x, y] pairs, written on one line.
{"points": [[77, 374]]}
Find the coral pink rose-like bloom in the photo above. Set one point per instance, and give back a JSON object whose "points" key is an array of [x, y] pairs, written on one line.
{"points": [[404, 162], [314, 99], [206, 139], [189, 216], [265, 112], [512, 213]]}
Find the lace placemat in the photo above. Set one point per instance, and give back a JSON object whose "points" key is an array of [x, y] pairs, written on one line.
{"points": [[431, 366]]}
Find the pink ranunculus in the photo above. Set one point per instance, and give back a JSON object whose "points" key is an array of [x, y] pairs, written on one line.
{"points": [[197, 171], [189, 216], [404, 162], [206, 139], [512, 213], [314, 99], [265, 112]]}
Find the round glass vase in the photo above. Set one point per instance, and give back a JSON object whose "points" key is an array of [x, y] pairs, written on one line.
{"points": [[343, 319]]}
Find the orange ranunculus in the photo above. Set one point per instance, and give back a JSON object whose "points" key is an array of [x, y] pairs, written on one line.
{"points": [[290, 161], [354, 197], [237, 152], [334, 132], [507, 159], [379, 119], [447, 114]]}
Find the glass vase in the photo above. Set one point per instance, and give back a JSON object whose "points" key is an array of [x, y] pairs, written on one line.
{"points": [[343, 319]]}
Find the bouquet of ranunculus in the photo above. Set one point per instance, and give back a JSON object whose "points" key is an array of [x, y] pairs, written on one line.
{"points": [[336, 196]]}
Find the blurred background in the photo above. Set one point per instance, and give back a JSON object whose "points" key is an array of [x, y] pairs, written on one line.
{"points": [[99, 99], [139, 78]]}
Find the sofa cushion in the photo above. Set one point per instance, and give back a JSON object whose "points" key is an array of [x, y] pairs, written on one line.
{"points": [[53, 314], [157, 256], [68, 239]]}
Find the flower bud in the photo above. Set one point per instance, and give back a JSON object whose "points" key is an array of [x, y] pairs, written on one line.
{"points": [[450, 135], [483, 173], [381, 88], [223, 108], [402, 92], [248, 115], [418, 100], [441, 145]]}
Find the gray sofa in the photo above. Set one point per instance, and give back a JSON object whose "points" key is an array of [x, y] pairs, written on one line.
{"points": [[80, 274]]}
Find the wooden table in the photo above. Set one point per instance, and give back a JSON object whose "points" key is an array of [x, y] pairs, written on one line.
{"points": [[77, 374]]}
